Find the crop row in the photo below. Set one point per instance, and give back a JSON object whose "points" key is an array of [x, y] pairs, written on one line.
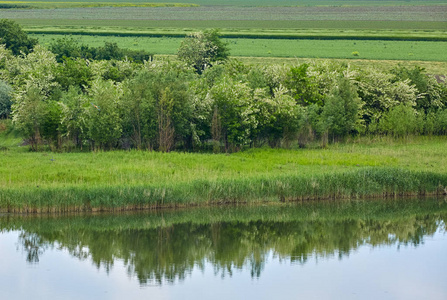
{"points": [[233, 13]]}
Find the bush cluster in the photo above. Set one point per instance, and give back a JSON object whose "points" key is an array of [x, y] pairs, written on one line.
{"points": [[76, 102], [69, 47]]}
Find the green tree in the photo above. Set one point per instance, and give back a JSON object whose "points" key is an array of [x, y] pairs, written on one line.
{"points": [[29, 115], [380, 92], [341, 109], [201, 50], [400, 121], [235, 112], [74, 105], [15, 39], [73, 72], [302, 87], [138, 109], [276, 117], [66, 47], [5, 99], [431, 93], [103, 115]]}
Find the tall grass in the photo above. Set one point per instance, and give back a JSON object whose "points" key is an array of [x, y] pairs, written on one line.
{"points": [[370, 182], [116, 180]]}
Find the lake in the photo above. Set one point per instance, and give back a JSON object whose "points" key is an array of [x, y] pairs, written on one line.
{"points": [[358, 249]]}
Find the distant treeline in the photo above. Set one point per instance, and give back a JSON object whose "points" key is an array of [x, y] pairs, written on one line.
{"points": [[70, 48], [81, 97]]}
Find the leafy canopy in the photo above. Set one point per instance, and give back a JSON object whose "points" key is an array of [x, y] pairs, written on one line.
{"points": [[15, 39], [201, 49]]}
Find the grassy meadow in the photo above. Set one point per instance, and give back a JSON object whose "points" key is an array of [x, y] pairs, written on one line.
{"points": [[300, 48], [115, 180]]}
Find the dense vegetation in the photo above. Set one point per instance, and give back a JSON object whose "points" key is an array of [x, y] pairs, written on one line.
{"points": [[66, 101]]}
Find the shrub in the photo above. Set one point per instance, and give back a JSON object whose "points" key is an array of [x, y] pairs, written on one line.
{"points": [[5, 100], [341, 110], [400, 121]]}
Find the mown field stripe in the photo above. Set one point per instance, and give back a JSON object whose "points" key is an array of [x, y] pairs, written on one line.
{"points": [[378, 37], [241, 24]]}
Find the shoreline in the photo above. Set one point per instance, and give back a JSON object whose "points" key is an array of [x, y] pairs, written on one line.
{"points": [[367, 183]]}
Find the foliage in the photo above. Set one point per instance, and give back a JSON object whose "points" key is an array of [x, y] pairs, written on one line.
{"points": [[29, 115], [400, 121], [440, 124], [380, 92], [301, 86], [431, 93], [102, 117], [74, 73], [5, 99], [202, 49], [163, 105], [236, 112], [73, 123], [68, 47], [340, 113], [15, 39]]}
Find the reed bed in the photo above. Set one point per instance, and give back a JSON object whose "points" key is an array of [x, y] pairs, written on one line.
{"points": [[367, 182]]}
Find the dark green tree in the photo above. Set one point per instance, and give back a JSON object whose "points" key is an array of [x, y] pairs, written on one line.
{"points": [[74, 72], [341, 110], [66, 47], [301, 86], [15, 39]]}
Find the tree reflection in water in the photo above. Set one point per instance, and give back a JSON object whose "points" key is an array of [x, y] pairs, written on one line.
{"points": [[164, 247]]}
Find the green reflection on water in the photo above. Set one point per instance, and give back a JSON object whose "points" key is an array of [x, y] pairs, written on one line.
{"points": [[165, 246]]}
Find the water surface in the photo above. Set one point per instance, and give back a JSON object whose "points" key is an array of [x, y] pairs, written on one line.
{"points": [[394, 249]]}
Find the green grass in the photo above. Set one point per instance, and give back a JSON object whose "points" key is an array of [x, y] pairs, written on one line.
{"points": [[368, 15], [84, 4], [136, 179], [302, 48], [9, 137], [256, 3]]}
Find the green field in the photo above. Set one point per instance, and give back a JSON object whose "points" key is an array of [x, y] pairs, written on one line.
{"points": [[299, 48], [435, 13], [303, 29], [243, 3]]}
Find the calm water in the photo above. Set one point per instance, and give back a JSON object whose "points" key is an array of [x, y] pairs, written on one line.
{"points": [[331, 250]]}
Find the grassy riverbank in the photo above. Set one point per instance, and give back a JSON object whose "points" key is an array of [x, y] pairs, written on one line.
{"points": [[54, 182]]}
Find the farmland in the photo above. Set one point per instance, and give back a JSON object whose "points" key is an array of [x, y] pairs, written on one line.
{"points": [[427, 17], [299, 48], [376, 30]]}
